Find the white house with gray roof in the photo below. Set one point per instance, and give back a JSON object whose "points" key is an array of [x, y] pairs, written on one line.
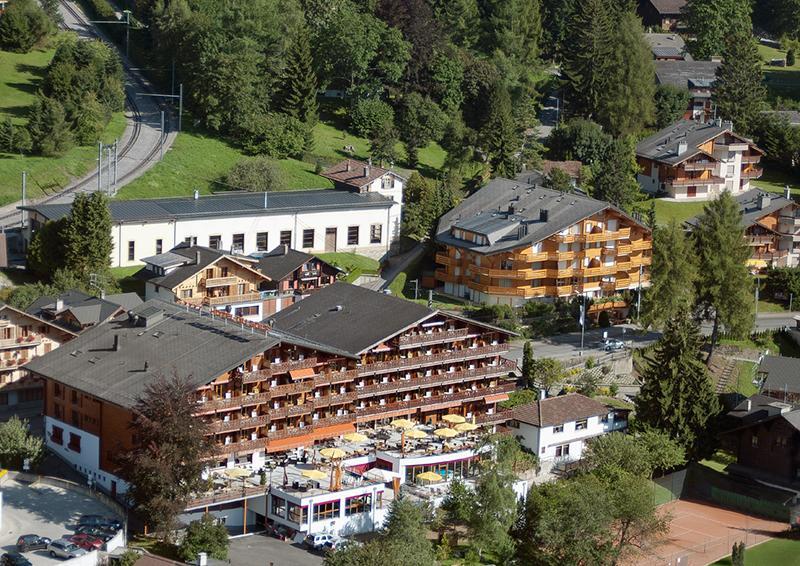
{"points": [[314, 221]]}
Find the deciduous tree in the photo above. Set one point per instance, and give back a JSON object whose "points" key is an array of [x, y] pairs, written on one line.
{"points": [[163, 468], [712, 21], [420, 121], [672, 276], [677, 396], [17, 444], [738, 92], [205, 535], [256, 174], [671, 103]]}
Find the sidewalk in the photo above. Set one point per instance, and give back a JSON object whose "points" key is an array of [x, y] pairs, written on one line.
{"points": [[397, 264]]}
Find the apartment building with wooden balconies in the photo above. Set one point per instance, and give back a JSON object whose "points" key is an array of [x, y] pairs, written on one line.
{"points": [[772, 228], [24, 337], [247, 287], [694, 160], [513, 241], [341, 357]]}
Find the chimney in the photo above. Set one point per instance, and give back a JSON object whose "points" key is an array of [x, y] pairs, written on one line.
{"points": [[511, 208], [146, 365], [788, 193], [202, 559], [116, 342], [196, 194], [763, 201], [59, 304], [284, 249], [102, 293], [366, 170], [542, 394], [682, 147], [543, 215], [197, 257], [749, 405], [348, 165]]}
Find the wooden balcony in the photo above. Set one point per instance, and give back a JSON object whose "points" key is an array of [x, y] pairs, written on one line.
{"points": [[411, 340], [563, 290], [290, 389], [237, 447], [752, 159], [639, 245], [592, 253], [751, 174], [218, 427], [699, 166], [691, 181], [623, 266], [624, 249], [502, 369], [445, 259], [333, 377], [231, 403], [566, 238], [607, 305], [209, 282], [599, 271], [258, 375], [290, 432], [232, 299], [282, 367], [433, 359], [338, 399], [445, 277], [761, 240], [529, 255], [636, 261], [568, 255], [421, 402]]}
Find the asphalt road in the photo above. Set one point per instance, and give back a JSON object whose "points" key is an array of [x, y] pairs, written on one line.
{"points": [[261, 550]]}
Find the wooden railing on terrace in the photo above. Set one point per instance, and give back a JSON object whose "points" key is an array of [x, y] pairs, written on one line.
{"points": [[418, 361], [432, 337], [281, 367]]}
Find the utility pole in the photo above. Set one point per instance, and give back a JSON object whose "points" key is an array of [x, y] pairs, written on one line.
{"points": [[639, 298], [116, 156], [161, 142], [24, 190], [108, 169], [583, 320], [127, 33], [755, 321], [791, 296], [99, 166], [179, 96]]}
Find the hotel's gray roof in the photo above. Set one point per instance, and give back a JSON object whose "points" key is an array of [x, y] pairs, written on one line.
{"points": [[232, 204]]}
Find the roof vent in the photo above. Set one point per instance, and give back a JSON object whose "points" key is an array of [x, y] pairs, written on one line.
{"points": [[116, 343], [763, 201], [682, 147], [337, 308], [348, 165], [544, 214]]}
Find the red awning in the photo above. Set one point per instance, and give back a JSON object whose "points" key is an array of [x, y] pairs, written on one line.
{"points": [[301, 373]]}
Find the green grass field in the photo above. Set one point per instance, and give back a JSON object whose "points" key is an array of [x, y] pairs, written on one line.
{"points": [[774, 552], [680, 211], [354, 264], [199, 160], [20, 74], [780, 81]]}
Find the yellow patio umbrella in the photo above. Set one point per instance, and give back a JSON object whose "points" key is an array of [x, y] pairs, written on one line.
{"points": [[333, 453], [465, 427], [429, 477], [237, 473], [314, 474], [454, 419], [446, 432], [355, 437], [402, 423], [416, 433]]}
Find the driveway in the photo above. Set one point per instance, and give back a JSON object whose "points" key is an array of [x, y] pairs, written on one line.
{"points": [[261, 550], [42, 510]]}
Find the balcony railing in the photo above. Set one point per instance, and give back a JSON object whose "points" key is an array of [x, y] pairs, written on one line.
{"points": [[432, 337], [281, 367], [232, 425], [476, 393], [338, 399], [503, 368], [751, 158], [624, 249], [219, 281], [691, 181], [442, 275], [445, 259], [231, 402], [499, 416], [770, 255], [639, 245], [242, 446], [258, 375], [760, 240], [232, 299], [751, 174], [291, 389], [334, 376], [290, 432], [419, 361]]}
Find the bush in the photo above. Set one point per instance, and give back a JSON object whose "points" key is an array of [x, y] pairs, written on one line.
{"points": [[257, 174], [604, 320], [23, 25], [369, 116], [790, 59], [276, 135], [17, 444], [102, 9], [206, 535]]}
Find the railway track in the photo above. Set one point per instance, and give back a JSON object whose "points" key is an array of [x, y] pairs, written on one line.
{"points": [[88, 183]]}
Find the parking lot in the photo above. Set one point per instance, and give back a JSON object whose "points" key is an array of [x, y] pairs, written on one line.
{"points": [[43, 510], [262, 550]]}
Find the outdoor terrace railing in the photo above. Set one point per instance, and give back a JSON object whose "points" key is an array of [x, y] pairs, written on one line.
{"points": [[281, 367], [432, 338], [419, 361]]}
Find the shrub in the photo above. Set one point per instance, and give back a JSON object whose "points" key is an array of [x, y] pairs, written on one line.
{"points": [[604, 320], [276, 135], [206, 535], [23, 25], [17, 444], [790, 59], [256, 174], [369, 116], [613, 389]]}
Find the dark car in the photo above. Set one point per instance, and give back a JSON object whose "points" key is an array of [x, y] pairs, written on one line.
{"points": [[14, 559], [98, 532], [281, 532], [99, 521], [32, 542], [86, 542]]}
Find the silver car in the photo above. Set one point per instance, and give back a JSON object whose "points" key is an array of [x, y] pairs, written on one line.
{"points": [[62, 548]]}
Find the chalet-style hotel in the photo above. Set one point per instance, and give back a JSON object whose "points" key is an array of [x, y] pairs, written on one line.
{"points": [[330, 372]]}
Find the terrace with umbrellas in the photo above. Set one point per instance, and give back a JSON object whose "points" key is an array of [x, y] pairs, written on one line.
{"points": [[347, 483]]}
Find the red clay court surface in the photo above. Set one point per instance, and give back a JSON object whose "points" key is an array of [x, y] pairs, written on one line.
{"points": [[700, 533]]}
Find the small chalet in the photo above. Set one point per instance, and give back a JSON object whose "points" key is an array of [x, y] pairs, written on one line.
{"points": [[76, 311], [557, 428], [667, 47], [780, 378], [295, 272], [696, 77], [665, 14]]}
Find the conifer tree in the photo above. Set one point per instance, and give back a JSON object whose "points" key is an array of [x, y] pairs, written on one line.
{"points": [[615, 180], [724, 285], [299, 95], [527, 362], [677, 396], [87, 236], [673, 275], [499, 134], [739, 93], [48, 127]]}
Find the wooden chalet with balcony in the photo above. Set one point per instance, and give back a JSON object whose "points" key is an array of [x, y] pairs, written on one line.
{"points": [[693, 160], [343, 356], [513, 241]]}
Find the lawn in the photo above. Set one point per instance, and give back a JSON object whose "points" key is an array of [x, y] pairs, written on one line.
{"points": [[20, 74], [127, 283], [780, 81], [719, 461], [200, 160], [774, 342], [354, 264], [744, 379], [770, 305], [680, 211], [782, 551], [775, 180]]}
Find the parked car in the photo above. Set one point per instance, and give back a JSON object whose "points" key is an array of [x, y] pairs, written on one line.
{"points": [[32, 542], [318, 541], [104, 534], [340, 544], [62, 548], [611, 344], [14, 559], [87, 542], [280, 532], [108, 523]]}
